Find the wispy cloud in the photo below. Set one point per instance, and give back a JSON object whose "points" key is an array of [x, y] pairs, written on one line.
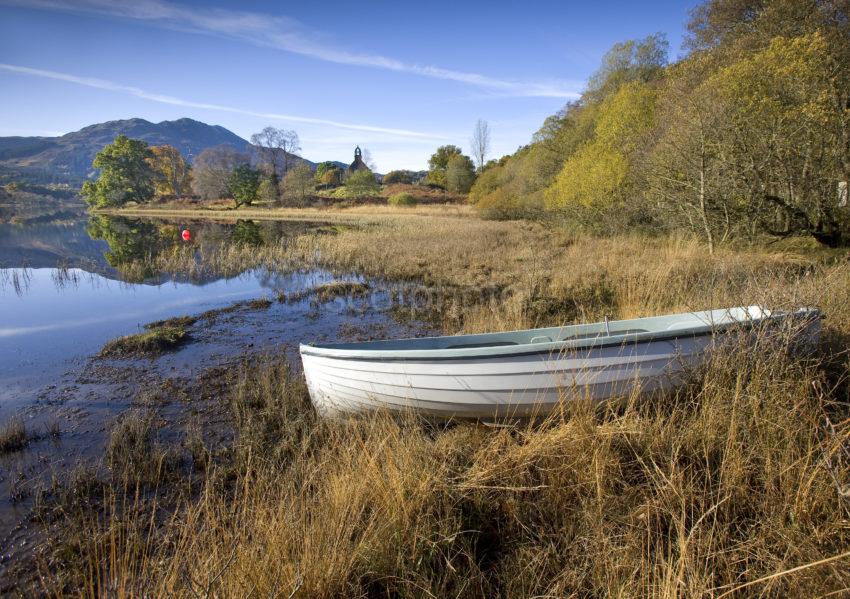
{"points": [[290, 35], [174, 101]]}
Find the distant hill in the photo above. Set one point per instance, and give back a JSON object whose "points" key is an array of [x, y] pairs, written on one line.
{"points": [[67, 159]]}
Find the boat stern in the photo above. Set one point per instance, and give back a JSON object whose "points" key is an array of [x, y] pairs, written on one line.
{"points": [[323, 402]]}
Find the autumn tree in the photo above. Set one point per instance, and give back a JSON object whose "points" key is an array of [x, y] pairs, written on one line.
{"points": [[747, 134], [212, 169], [791, 138], [398, 176], [125, 174], [633, 60], [599, 173], [172, 175], [480, 143], [688, 169], [298, 184], [328, 174], [267, 191], [460, 174]]}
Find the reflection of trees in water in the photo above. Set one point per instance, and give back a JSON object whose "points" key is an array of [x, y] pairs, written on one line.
{"points": [[249, 232], [133, 244], [246, 232], [142, 250]]}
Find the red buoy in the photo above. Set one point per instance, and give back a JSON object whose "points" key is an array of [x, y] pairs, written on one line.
{"points": [[186, 235]]}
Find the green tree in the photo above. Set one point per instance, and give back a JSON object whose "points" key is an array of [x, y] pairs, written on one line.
{"points": [[362, 181], [244, 184], [246, 232], [439, 163], [133, 244], [460, 174], [298, 184], [125, 174]]}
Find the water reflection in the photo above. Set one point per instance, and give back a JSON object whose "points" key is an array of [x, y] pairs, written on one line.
{"points": [[131, 250], [133, 244], [67, 286], [247, 232]]}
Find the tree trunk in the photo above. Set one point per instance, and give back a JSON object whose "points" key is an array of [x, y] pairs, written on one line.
{"points": [[702, 207]]}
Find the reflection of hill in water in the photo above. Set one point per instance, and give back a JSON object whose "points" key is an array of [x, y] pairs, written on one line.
{"points": [[122, 249], [53, 244]]}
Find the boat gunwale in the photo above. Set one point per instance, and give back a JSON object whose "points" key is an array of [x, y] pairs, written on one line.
{"points": [[526, 349]]}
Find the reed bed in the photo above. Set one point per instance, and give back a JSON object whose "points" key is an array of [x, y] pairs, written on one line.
{"points": [[13, 435], [733, 487], [477, 275], [736, 485]]}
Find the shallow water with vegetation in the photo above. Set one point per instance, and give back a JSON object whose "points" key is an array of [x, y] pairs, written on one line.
{"points": [[70, 287]]}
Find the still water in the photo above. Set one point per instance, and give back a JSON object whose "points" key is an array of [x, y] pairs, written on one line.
{"points": [[67, 287], [69, 284]]}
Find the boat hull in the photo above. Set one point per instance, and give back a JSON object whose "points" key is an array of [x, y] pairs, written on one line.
{"points": [[513, 375], [501, 387]]}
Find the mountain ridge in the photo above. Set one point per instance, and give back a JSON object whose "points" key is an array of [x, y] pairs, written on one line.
{"points": [[67, 158]]}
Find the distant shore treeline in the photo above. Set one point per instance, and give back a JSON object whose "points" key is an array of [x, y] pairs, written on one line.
{"points": [[129, 170], [132, 171], [747, 134]]}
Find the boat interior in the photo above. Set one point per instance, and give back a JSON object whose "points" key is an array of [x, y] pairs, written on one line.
{"points": [[606, 328]]}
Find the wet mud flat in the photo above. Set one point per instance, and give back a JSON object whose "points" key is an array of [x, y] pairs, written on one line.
{"points": [[176, 403]]}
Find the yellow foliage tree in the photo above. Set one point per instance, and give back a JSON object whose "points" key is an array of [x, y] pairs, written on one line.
{"points": [[172, 175], [787, 104], [595, 175]]}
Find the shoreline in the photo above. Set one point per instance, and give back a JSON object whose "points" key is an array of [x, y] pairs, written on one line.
{"points": [[353, 214], [180, 391]]}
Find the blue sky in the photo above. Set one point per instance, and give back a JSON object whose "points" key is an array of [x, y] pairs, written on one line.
{"points": [[398, 79]]}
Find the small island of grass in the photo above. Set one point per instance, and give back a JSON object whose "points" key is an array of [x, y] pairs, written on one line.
{"points": [[152, 342]]}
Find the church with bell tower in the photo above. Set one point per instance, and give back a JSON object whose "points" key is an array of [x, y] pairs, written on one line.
{"points": [[358, 164]]}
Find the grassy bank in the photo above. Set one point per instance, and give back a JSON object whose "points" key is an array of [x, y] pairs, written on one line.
{"points": [[488, 275], [735, 486], [354, 214], [729, 487]]}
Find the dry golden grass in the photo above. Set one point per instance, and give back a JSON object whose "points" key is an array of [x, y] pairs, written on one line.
{"points": [[738, 485], [733, 486], [351, 214], [507, 275]]}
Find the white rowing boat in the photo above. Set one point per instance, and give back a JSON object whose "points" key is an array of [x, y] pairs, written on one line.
{"points": [[524, 373]]}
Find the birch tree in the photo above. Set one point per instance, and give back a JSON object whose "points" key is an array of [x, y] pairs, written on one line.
{"points": [[480, 143]]}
